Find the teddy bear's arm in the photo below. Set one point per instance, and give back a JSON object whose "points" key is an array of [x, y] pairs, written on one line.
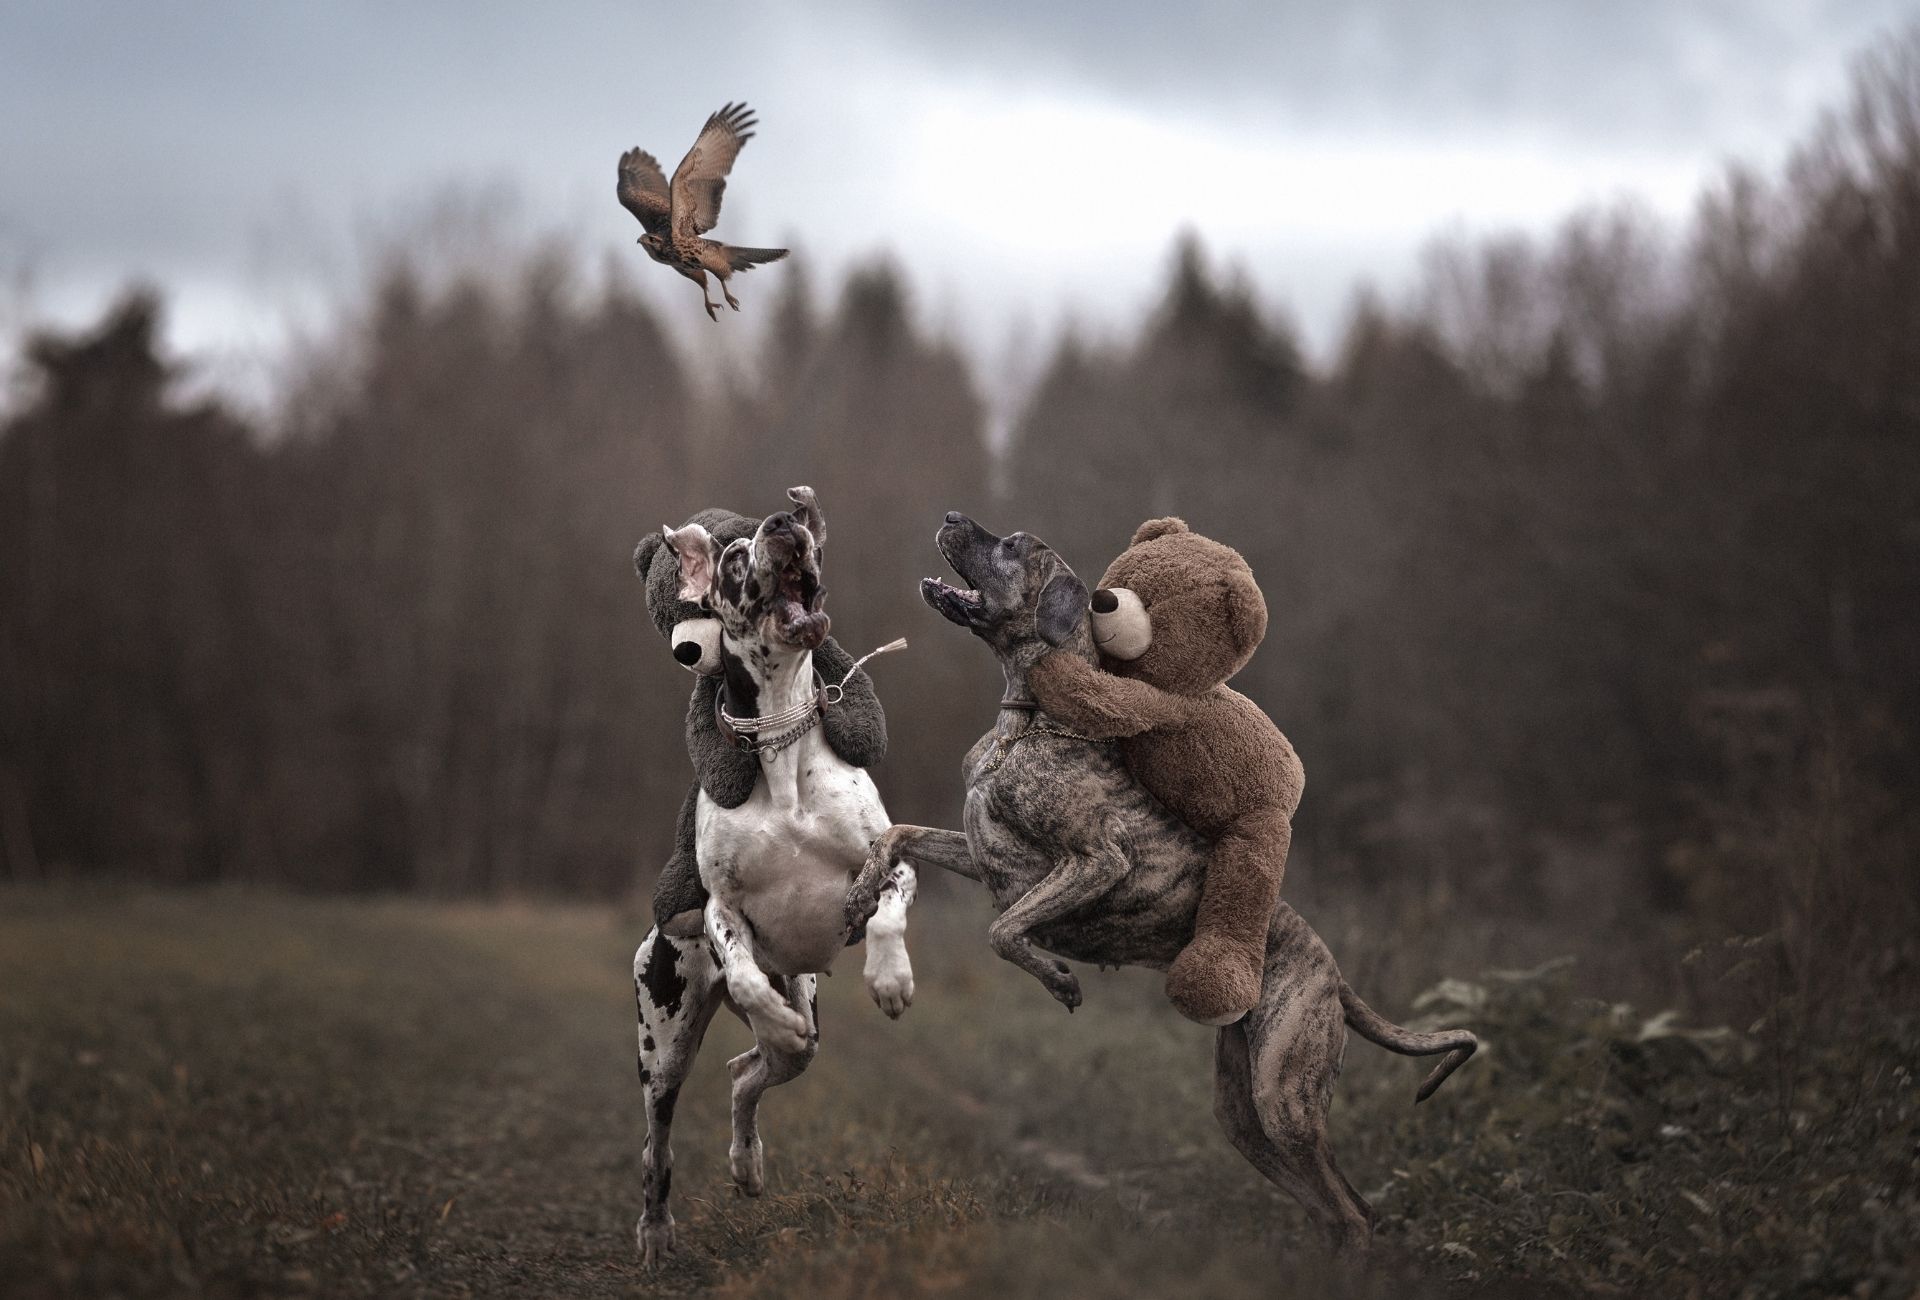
{"points": [[856, 726], [1100, 704], [724, 772]]}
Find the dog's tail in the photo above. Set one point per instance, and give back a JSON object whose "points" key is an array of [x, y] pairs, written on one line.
{"points": [[1458, 1044], [745, 259]]}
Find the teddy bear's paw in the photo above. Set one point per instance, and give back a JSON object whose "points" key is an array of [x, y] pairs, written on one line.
{"points": [[1214, 980]]}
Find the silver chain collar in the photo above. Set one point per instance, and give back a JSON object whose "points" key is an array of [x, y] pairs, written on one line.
{"points": [[747, 732], [749, 738]]}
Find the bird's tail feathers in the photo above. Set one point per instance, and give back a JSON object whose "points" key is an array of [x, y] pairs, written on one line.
{"points": [[742, 259]]}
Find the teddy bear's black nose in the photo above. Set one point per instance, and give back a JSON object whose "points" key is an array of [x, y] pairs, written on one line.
{"points": [[688, 653], [1104, 601], [955, 517]]}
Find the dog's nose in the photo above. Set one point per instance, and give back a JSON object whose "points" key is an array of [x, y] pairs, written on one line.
{"points": [[955, 517], [688, 653], [1104, 601]]}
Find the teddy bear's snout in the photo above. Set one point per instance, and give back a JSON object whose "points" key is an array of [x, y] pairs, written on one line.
{"points": [[1122, 628], [696, 644]]}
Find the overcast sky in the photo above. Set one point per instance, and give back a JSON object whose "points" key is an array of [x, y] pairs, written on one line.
{"points": [[1026, 161]]}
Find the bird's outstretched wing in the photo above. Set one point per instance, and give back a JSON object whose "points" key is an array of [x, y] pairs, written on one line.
{"points": [[643, 190], [701, 178]]}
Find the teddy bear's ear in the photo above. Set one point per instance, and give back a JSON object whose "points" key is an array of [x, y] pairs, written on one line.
{"points": [[1158, 528], [1246, 613], [643, 554]]}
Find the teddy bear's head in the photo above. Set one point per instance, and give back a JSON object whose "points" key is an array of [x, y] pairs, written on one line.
{"points": [[1177, 610], [693, 632]]}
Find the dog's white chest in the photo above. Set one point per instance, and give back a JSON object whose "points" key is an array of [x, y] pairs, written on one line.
{"points": [[785, 857]]}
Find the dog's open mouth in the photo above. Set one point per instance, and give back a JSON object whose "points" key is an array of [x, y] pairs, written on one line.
{"points": [[798, 585], [962, 605], [958, 605], [796, 605]]}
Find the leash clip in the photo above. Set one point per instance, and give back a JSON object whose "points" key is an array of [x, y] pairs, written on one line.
{"points": [[836, 692]]}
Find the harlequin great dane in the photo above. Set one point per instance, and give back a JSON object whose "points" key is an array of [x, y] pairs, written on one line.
{"points": [[776, 868], [1084, 863]]}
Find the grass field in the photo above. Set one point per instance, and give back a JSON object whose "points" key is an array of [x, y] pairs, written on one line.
{"points": [[230, 1094]]}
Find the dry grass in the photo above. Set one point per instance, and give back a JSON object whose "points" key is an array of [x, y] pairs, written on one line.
{"points": [[229, 1094]]}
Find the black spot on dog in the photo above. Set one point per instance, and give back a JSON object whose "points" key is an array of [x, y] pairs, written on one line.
{"points": [[665, 984], [741, 691], [646, 1075], [646, 1044], [663, 1106]]}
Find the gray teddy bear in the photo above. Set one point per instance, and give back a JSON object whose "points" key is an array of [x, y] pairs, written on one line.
{"points": [[855, 726]]}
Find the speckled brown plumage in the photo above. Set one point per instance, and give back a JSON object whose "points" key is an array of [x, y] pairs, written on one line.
{"points": [[676, 214]]}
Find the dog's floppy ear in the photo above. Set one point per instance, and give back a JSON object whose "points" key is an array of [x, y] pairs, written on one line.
{"points": [[806, 510], [1062, 608], [699, 557]]}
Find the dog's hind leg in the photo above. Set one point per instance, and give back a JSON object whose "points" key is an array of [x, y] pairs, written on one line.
{"points": [[678, 987], [1273, 1084], [762, 1067]]}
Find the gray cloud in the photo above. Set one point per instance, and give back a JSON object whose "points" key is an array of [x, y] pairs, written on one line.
{"points": [[1650, 71], [175, 142]]}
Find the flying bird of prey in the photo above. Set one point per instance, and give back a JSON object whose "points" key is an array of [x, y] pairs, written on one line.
{"points": [[676, 215]]}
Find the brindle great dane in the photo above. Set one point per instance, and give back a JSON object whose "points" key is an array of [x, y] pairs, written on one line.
{"points": [[1084, 863]]}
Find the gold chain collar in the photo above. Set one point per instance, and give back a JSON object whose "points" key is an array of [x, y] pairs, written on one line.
{"points": [[1004, 744]]}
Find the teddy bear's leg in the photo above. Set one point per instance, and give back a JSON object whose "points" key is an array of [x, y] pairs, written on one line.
{"points": [[1216, 978], [679, 891]]}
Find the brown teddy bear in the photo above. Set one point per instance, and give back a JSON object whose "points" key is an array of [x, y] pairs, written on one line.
{"points": [[1176, 616]]}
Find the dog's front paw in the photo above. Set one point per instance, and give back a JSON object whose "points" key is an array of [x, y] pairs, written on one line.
{"points": [[890, 983], [655, 1241], [1064, 985]]}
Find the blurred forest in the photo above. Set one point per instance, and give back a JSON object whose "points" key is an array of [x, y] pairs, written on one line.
{"points": [[1593, 561]]}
